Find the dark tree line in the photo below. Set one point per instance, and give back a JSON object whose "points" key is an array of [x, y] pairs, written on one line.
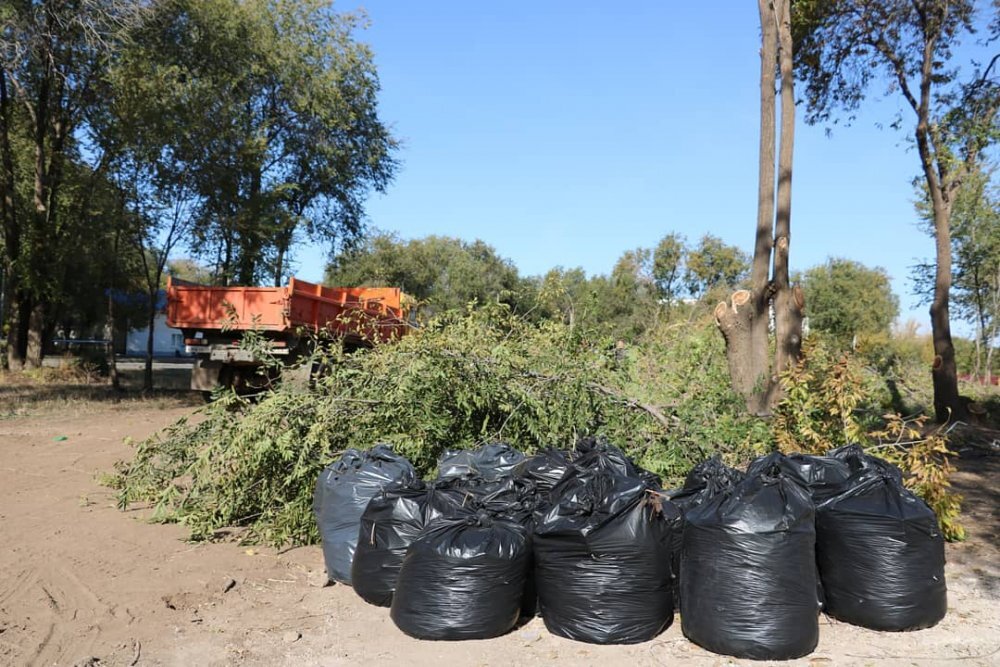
{"points": [[232, 128]]}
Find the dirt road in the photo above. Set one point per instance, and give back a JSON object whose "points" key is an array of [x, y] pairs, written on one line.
{"points": [[82, 583]]}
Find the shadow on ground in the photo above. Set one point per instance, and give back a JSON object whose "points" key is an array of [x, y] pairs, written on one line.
{"points": [[977, 479]]}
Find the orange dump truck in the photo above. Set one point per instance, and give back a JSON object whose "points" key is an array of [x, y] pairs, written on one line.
{"points": [[214, 319]]}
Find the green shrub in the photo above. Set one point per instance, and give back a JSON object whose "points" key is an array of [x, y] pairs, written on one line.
{"points": [[830, 400], [466, 378], [485, 374]]}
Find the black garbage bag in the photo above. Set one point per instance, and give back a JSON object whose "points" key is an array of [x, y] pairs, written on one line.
{"points": [[602, 559], [881, 553], [598, 453], [343, 490], [704, 481], [822, 476], [515, 499], [859, 462], [463, 579], [545, 469], [512, 498], [391, 522], [748, 568], [490, 462]]}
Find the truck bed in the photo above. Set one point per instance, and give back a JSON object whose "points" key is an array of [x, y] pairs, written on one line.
{"points": [[374, 314]]}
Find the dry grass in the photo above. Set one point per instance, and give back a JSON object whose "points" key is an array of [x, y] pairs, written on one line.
{"points": [[75, 390]]}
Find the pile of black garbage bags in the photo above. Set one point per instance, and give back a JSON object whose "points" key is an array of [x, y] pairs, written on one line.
{"points": [[592, 543]]}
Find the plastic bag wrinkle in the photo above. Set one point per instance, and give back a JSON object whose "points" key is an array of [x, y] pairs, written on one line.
{"points": [[343, 490], [490, 462], [748, 571], [463, 579], [391, 522], [881, 553], [602, 558]]}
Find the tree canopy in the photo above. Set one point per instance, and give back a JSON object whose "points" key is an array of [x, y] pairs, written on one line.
{"points": [[442, 272], [975, 243], [235, 128], [265, 114], [713, 263], [845, 46], [847, 299]]}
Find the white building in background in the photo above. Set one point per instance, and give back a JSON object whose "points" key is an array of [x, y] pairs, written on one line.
{"points": [[167, 342]]}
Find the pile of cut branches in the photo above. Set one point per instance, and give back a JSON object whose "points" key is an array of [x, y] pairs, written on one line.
{"points": [[466, 378]]}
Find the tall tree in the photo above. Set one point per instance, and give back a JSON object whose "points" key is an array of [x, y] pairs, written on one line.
{"points": [[975, 241], [442, 272], [294, 143], [562, 294], [713, 263], [668, 262], [743, 319], [848, 44], [847, 299], [51, 54]]}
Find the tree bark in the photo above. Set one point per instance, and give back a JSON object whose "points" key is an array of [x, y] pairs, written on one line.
{"points": [[944, 373], [227, 261], [743, 319], [250, 241], [284, 243], [16, 328], [43, 201], [788, 303], [36, 335], [759, 366], [111, 354], [735, 318], [994, 326], [147, 375], [11, 234], [279, 265]]}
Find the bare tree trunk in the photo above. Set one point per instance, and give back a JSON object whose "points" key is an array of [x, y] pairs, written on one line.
{"points": [[994, 326], [788, 302], [228, 258], [988, 375], [743, 320], [760, 364], [112, 355], [989, 363], [977, 360], [250, 239], [147, 375], [735, 320], [284, 243], [43, 118], [279, 266], [944, 373], [15, 328], [11, 235], [36, 336]]}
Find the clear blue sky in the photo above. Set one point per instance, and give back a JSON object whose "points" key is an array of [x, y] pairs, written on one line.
{"points": [[564, 133]]}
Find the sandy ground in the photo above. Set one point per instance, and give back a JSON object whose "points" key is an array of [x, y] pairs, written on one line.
{"points": [[82, 583]]}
